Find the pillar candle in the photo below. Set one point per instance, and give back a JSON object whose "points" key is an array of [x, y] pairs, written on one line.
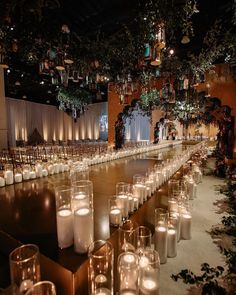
{"points": [[62, 168], [185, 226], [102, 291], [18, 177], [83, 229], [26, 174], [115, 217], [66, 167], [2, 181], [136, 203], [139, 190], [123, 203], [172, 242], [39, 170], [161, 242], [149, 286], [190, 185], [131, 204], [32, 175], [8, 175], [65, 228], [50, 169], [56, 168], [45, 172]]}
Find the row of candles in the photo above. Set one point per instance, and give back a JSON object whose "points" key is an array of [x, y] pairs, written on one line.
{"points": [[138, 263], [42, 169]]}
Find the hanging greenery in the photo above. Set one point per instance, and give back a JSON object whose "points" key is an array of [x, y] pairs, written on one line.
{"points": [[73, 100]]}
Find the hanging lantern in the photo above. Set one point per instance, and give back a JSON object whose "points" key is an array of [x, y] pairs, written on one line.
{"points": [[160, 37], [156, 58]]}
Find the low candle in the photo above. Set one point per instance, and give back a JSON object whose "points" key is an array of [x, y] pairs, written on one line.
{"points": [[139, 191], [39, 170], [124, 205], [2, 182], [136, 203], [18, 177], [161, 242], [185, 226], [45, 172], [190, 185], [26, 174], [115, 217], [62, 168], [8, 175], [56, 168], [66, 168], [65, 228], [102, 291], [148, 286], [80, 200], [50, 169], [32, 175], [128, 292], [83, 229], [172, 242]]}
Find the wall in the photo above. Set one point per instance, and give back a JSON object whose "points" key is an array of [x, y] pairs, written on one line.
{"points": [[52, 124]]}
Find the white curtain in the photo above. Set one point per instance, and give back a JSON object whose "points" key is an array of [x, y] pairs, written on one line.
{"points": [[24, 116], [138, 127]]}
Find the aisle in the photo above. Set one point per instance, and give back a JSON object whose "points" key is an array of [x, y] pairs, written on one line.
{"points": [[200, 248]]}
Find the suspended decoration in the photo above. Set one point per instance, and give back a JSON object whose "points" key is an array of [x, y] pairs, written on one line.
{"points": [[73, 100]]}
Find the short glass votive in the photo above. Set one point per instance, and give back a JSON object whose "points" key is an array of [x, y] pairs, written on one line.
{"points": [[24, 268], [76, 185], [42, 288], [82, 194], [100, 268], [79, 172], [115, 211], [64, 216], [143, 239], [160, 241], [26, 172], [149, 272], [127, 236], [128, 270]]}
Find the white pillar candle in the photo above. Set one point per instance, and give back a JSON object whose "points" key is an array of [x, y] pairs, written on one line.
{"points": [[45, 172], [172, 242], [39, 170], [139, 191], [62, 168], [66, 167], [149, 189], [32, 175], [65, 228], [190, 185], [79, 201], [83, 229], [18, 177], [50, 169], [128, 292], [56, 168], [123, 204], [185, 226], [136, 203], [173, 205], [2, 181], [149, 286], [102, 291], [195, 190], [131, 204], [8, 175], [115, 217], [26, 174], [161, 242], [176, 224]]}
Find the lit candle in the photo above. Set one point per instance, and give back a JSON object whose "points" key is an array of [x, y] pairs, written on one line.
{"points": [[65, 228], [50, 169], [56, 168], [80, 200], [149, 286], [139, 191], [123, 204], [131, 204], [172, 242], [83, 229], [32, 175], [25, 286], [45, 172], [8, 175], [136, 203], [176, 223], [185, 226], [161, 243], [2, 181], [66, 167], [102, 291], [18, 177], [115, 217], [26, 174], [128, 292], [38, 170], [190, 185], [62, 168]]}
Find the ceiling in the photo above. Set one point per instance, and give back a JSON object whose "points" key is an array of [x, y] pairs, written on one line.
{"points": [[93, 19]]}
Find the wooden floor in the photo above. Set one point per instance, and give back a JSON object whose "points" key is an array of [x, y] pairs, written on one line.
{"points": [[28, 215]]}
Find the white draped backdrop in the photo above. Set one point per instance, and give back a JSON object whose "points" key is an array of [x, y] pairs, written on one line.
{"points": [[24, 116]]}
